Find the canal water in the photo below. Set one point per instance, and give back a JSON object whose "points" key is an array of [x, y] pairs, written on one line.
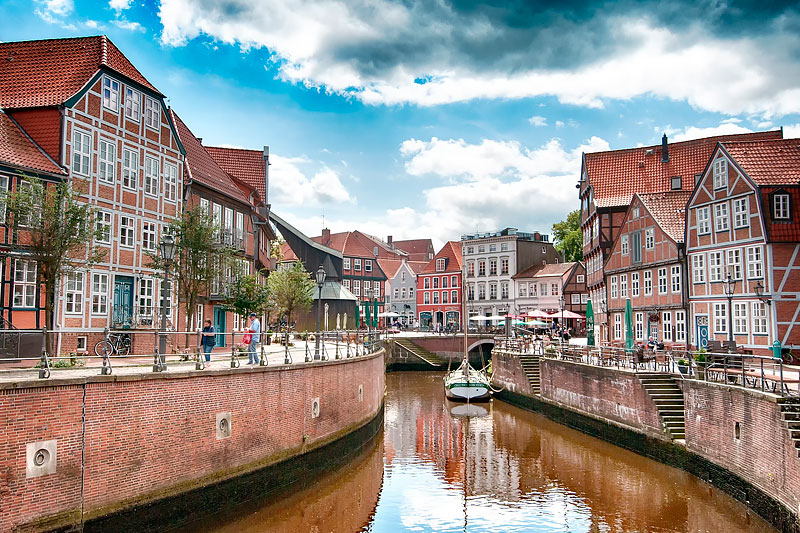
{"points": [[441, 467]]}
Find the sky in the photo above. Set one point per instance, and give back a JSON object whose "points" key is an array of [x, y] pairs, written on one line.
{"points": [[435, 118]]}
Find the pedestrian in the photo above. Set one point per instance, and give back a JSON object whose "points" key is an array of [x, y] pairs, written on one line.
{"points": [[209, 339], [255, 337]]}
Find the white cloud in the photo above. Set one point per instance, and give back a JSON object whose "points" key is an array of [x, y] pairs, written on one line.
{"points": [[791, 131], [345, 49], [290, 186], [693, 132], [119, 5], [57, 8], [560, 124], [538, 121], [126, 24]]}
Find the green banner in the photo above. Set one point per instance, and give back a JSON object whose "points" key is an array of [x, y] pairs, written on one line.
{"points": [[589, 323], [366, 314], [628, 325], [375, 315], [358, 315]]}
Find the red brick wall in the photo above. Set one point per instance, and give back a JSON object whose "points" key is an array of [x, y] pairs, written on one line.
{"points": [[601, 392], [508, 373], [151, 437]]}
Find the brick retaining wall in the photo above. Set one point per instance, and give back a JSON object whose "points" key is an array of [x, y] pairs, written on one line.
{"points": [[148, 436]]}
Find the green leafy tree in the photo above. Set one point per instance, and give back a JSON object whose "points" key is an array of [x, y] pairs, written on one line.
{"points": [[199, 258], [248, 295], [55, 228], [292, 290], [568, 236]]}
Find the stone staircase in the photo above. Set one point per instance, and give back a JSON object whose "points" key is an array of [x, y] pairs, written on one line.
{"points": [[421, 353], [790, 413], [668, 397], [530, 365]]}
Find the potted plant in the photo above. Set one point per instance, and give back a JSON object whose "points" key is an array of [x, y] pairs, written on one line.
{"points": [[701, 363], [683, 365]]}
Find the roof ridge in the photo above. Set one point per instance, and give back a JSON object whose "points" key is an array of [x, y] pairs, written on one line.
{"points": [[688, 141]]}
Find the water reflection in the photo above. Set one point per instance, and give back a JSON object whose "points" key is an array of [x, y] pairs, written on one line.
{"points": [[445, 467]]}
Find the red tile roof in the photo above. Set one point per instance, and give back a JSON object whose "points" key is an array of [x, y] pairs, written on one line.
{"points": [[48, 72], [450, 251], [616, 175], [358, 244], [768, 162], [548, 270], [245, 165], [202, 168], [669, 211], [287, 254], [18, 150], [417, 249], [417, 266], [390, 266]]}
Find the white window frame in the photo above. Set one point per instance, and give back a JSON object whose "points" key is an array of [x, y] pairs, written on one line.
{"points": [[575, 298], [106, 161], [440, 264], [720, 172], [357, 287], [346, 263], [110, 93], [170, 182], [675, 282], [755, 262], [680, 326], [635, 284], [133, 104], [698, 268], [3, 193], [149, 236], [734, 259], [130, 168], [639, 329], [357, 264], [716, 270], [146, 297], [647, 282], [625, 245], [703, 220], [617, 326], [741, 212], [151, 170], [346, 284], [780, 206], [649, 238], [25, 283], [104, 225], [127, 231], [623, 285], [663, 288], [81, 152], [720, 317], [367, 265], [99, 294], [666, 330], [152, 113], [759, 318], [740, 320], [426, 298], [614, 287], [721, 217]]}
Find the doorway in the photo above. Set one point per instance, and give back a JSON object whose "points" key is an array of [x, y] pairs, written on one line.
{"points": [[219, 325], [122, 311]]}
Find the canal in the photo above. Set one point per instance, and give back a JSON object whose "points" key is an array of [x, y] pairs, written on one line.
{"points": [[437, 467]]}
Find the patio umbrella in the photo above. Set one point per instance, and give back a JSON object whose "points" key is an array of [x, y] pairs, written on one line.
{"points": [[570, 314], [535, 323], [367, 312], [338, 321], [537, 314], [628, 325], [589, 323], [496, 317], [479, 317], [388, 314], [344, 321]]}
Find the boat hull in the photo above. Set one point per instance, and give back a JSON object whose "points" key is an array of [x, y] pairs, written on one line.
{"points": [[463, 392]]}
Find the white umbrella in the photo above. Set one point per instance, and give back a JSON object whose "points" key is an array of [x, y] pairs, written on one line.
{"points": [[388, 314], [496, 317], [537, 314], [479, 317], [338, 321], [344, 322]]}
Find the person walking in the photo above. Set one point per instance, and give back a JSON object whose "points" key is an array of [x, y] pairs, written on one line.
{"points": [[255, 337], [209, 339]]}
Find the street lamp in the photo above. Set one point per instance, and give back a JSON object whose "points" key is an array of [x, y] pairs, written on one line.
{"points": [[760, 293], [561, 305], [370, 293], [166, 249], [603, 306], [320, 282], [729, 288]]}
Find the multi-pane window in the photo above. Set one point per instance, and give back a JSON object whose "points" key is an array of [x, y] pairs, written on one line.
{"points": [[649, 238], [575, 298], [504, 265], [741, 212], [623, 285], [102, 221], [481, 268], [99, 294], [523, 290], [624, 244], [703, 220], [720, 174], [780, 207], [721, 216], [675, 274], [24, 283], [170, 182], [543, 289], [435, 283], [130, 168], [680, 326], [110, 93], [471, 269], [133, 104], [165, 299], [444, 282], [613, 286], [346, 284], [618, 326], [492, 267], [127, 231], [759, 310], [81, 152], [440, 264], [426, 297], [533, 289], [152, 113], [666, 320], [445, 297], [634, 284], [492, 291], [454, 297], [367, 265], [715, 266], [73, 293], [698, 268], [740, 318], [357, 287], [639, 321], [735, 263], [106, 161], [435, 298], [648, 282], [454, 281], [228, 225], [755, 263], [151, 176], [662, 281], [504, 290], [554, 289], [357, 264], [3, 192], [397, 293], [426, 283], [481, 291], [146, 290], [346, 263], [239, 228], [149, 236], [720, 318]]}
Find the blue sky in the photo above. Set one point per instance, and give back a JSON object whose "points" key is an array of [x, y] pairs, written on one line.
{"points": [[427, 118]]}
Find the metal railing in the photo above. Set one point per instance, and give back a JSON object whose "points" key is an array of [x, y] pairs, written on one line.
{"points": [[117, 349]]}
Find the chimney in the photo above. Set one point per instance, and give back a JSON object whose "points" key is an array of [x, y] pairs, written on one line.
{"points": [[664, 149], [389, 240], [326, 236], [266, 174]]}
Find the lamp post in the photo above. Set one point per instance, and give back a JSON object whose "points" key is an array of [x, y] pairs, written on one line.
{"points": [[729, 288], [320, 282], [561, 306], [166, 249], [759, 288], [603, 307], [370, 292]]}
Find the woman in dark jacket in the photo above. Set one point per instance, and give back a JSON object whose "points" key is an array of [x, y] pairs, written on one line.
{"points": [[209, 339]]}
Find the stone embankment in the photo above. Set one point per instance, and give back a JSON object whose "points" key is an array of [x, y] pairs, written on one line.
{"points": [[744, 441]]}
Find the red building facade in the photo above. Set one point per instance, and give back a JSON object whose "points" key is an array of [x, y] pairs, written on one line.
{"points": [[439, 290]]}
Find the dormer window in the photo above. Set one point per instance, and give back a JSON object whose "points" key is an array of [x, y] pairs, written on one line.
{"points": [[720, 174], [635, 213], [781, 206], [368, 265], [440, 264], [111, 93], [357, 264], [676, 183]]}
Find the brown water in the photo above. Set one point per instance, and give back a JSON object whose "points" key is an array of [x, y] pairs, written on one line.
{"points": [[501, 469]]}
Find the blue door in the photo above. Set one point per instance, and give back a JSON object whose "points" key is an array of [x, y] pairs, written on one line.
{"points": [[122, 311], [219, 325]]}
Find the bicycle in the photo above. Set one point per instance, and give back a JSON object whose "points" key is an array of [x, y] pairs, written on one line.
{"points": [[788, 357], [116, 344]]}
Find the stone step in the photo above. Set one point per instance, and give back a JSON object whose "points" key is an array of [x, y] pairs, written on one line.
{"points": [[668, 401], [795, 434], [667, 395], [790, 408], [793, 424], [671, 412], [673, 418], [791, 417]]}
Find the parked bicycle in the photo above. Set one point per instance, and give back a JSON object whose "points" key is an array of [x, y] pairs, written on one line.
{"points": [[115, 344]]}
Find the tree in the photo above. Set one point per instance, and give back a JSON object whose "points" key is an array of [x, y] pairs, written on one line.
{"points": [[275, 249], [199, 258], [292, 290], [246, 295], [54, 228], [568, 236]]}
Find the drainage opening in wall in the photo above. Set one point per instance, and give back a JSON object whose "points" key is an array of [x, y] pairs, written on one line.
{"points": [[224, 428], [361, 393], [737, 431], [314, 407]]}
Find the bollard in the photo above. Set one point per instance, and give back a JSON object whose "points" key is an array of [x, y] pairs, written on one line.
{"points": [[200, 364], [308, 355], [106, 370], [235, 363], [262, 358]]}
